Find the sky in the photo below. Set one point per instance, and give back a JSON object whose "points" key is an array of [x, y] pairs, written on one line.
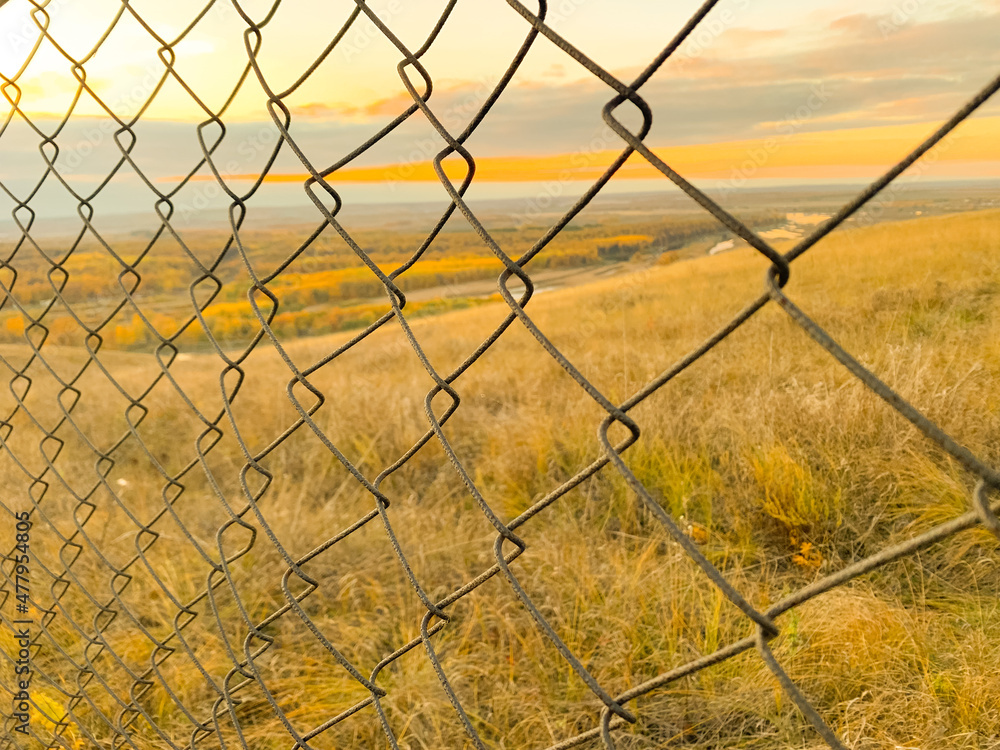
{"points": [[764, 88]]}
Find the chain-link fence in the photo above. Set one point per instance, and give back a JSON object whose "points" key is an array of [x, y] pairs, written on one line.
{"points": [[124, 648]]}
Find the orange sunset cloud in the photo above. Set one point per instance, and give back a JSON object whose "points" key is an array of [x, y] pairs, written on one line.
{"points": [[973, 151]]}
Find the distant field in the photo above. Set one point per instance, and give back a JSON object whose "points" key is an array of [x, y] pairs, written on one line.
{"points": [[774, 459], [323, 286]]}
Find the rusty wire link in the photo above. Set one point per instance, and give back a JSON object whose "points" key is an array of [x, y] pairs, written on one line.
{"points": [[78, 679]]}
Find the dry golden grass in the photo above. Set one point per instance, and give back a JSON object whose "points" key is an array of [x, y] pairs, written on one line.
{"points": [[778, 463]]}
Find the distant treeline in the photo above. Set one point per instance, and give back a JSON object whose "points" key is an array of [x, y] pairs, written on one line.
{"points": [[325, 290], [229, 323], [89, 272]]}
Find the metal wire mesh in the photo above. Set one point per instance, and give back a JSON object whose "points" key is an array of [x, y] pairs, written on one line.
{"points": [[133, 680]]}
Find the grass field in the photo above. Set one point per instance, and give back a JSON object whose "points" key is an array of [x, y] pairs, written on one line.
{"points": [[778, 464]]}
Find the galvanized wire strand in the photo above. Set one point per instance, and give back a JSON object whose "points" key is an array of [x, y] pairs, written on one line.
{"points": [[212, 722]]}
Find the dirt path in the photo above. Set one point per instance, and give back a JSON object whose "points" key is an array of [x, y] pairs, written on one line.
{"points": [[545, 280]]}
